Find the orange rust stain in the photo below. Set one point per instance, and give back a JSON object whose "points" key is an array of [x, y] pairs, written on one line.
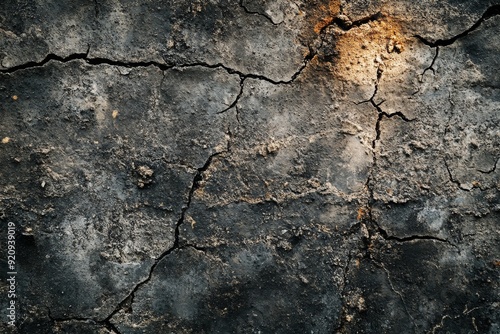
{"points": [[321, 24], [327, 12], [334, 6], [361, 213], [362, 50], [360, 53]]}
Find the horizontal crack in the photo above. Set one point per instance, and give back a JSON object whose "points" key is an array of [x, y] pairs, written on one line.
{"points": [[84, 56], [384, 234], [491, 170], [161, 66], [347, 25], [106, 323], [48, 58], [490, 12]]}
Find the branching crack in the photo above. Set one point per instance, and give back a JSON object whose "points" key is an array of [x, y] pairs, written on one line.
{"points": [[242, 75], [106, 323], [431, 66], [381, 113], [128, 301], [489, 13]]}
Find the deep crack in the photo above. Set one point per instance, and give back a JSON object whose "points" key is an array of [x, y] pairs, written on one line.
{"points": [[489, 13], [84, 56], [96, 7], [162, 66], [431, 66], [111, 327]]}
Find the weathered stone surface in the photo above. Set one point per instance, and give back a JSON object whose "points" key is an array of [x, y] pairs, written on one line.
{"points": [[255, 269], [254, 166]]}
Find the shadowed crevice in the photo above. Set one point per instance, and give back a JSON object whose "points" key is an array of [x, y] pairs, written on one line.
{"points": [[489, 13]]}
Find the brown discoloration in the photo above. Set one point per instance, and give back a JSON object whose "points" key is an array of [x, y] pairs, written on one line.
{"points": [[362, 213], [322, 23], [320, 14], [327, 13], [368, 47]]}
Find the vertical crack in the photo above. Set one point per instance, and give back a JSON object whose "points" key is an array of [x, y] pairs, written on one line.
{"points": [[237, 99], [343, 313], [452, 179], [431, 66], [388, 274], [381, 115], [237, 114], [378, 132], [96, 8]]}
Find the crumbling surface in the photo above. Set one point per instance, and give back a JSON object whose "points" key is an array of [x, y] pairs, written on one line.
{"points": [[254, 166]]}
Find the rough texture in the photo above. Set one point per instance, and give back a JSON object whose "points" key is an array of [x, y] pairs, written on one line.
{"points": [[253, 166]]}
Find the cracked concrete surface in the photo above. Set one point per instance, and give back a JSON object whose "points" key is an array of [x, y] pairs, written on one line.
{"points": [[253, 166]]}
